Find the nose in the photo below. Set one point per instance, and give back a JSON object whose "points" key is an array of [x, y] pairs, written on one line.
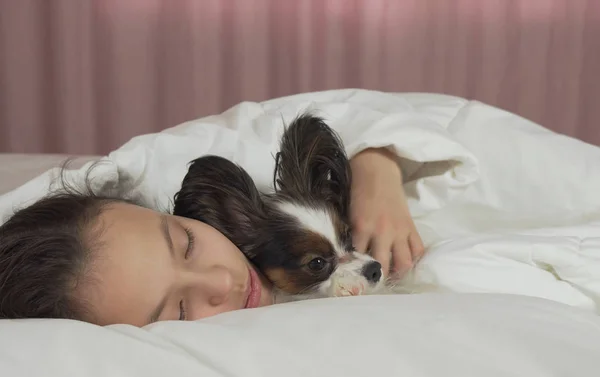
{"points": [[214, 284], [372, 272]]}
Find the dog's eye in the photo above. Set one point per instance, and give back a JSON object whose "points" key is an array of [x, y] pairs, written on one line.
{"points": [[317, 264]]}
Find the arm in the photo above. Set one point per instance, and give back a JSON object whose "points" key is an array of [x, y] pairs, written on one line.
{"points": [[379, 212]]}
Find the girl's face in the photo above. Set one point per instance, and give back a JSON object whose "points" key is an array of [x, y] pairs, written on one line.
{"points": [[150, 267]]}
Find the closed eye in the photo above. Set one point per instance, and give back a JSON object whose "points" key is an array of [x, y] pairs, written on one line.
{"points": [[182, 313], [190, 244]]}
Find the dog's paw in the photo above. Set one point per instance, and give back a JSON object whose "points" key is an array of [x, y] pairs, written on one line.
{"points": [[352, 291], [347, 285]]}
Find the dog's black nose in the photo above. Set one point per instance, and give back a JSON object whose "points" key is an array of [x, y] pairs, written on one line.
{"points": [[372, 271]]}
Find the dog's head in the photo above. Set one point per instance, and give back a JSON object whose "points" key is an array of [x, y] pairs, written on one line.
{"points": [[299, 236]]}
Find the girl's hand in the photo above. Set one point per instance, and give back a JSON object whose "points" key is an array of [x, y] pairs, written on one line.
{"points": [[380, 216]]}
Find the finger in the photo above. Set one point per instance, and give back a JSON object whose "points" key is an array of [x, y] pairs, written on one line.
{"points": [[361, 235], [416, 246], [401, 257], [381, 250], [360, 241]]}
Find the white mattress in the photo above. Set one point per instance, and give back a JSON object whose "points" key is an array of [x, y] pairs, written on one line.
{"points": [[17, 168]]}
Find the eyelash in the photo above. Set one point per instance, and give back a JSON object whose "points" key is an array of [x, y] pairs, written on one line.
{"points": [[182, 313], [191, 240]]}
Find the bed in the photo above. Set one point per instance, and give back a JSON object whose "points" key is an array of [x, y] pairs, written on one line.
{"points": [[16, 169], [513, 241]]}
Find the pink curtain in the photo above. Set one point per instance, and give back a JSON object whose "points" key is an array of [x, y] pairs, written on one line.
{"points": [[82, 77]]}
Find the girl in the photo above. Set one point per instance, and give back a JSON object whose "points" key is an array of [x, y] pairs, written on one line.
{"points": [[108, 260]]}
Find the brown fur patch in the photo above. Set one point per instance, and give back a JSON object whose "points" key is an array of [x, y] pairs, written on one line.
{"points": [[284, 280], [306, 247], [309, 245]]}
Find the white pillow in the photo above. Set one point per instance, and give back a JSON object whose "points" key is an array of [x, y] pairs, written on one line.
{"points": [[417, 335]]}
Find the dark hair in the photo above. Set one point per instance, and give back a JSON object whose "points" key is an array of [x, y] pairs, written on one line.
{"points": [[45, 253]]}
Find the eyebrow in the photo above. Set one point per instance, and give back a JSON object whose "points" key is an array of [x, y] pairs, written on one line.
{"points": [[164, 229]]}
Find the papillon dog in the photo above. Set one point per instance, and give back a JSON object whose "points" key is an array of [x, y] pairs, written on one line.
{"points": [[299, 235]]}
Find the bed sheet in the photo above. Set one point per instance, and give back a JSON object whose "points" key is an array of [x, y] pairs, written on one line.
{"points": [[427, 335]]}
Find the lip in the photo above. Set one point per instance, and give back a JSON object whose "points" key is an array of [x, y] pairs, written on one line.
{"points": [[253, 289]]}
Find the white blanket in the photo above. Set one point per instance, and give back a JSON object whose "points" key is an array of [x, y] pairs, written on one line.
{"points": [[503, 204]]}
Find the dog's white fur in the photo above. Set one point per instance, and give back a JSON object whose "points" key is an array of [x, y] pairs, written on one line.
{"points": [[347, 279]]}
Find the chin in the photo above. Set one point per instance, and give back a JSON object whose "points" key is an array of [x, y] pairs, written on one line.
{"points": [[299, 234]]}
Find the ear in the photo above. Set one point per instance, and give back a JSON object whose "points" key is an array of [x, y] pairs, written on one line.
{"points": [[221, 194], [312, 163]]}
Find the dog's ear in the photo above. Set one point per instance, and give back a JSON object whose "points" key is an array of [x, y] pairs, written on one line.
{"points": [[312, 163], [221, 194]]}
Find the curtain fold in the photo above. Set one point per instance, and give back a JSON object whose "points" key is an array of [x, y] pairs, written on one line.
{"points": [[83, 77]]}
